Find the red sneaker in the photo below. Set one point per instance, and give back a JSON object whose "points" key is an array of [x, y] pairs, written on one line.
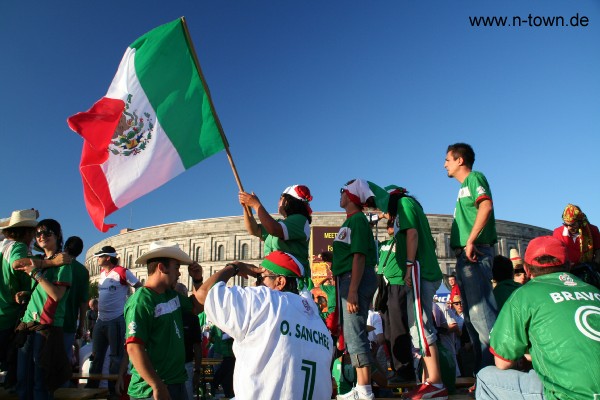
{"points": [[426, 391]]}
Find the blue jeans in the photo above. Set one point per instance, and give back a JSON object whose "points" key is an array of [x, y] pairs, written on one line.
{"points": [[30, 376], [428, 289], [355, 325], [107, 333], [479, 305], [494, 383]]}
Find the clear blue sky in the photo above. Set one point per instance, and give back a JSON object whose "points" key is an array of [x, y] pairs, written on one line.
{"points": [[318, 92]]}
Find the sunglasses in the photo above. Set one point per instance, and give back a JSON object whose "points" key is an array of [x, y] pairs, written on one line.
{"points": [[260, 278], [457, 303], [573, 225], [39, 234]]}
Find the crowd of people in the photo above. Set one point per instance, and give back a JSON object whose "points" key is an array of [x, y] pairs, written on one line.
{"points": [[525, 327]]}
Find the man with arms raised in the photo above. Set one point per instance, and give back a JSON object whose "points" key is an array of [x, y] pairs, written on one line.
{"points": [[282, 346], [555, 317]]}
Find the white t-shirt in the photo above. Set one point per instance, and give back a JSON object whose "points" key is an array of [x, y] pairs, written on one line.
{"points": [[374, 320], [282, 347], [112, 292]]}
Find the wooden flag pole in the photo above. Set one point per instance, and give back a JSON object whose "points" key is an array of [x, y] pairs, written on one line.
{"points": [[217, 121]]}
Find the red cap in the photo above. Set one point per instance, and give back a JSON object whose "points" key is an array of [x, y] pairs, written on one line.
{"points": [[546, 246]]}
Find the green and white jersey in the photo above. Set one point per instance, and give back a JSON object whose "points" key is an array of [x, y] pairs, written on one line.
{"points": [[330, 292], [474, 189], [282, 346], [388, 263], [42, 308], [355, 236], [155, 320], [11, 282], [296, 235], [78, 293], [556, 318], [411, 216]]}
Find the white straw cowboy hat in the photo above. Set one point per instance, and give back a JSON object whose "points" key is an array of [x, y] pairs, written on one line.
{"points": [[163, 248], [22, 219]]}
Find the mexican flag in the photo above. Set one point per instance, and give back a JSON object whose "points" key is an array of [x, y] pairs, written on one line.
{"points": [[156, 121]]}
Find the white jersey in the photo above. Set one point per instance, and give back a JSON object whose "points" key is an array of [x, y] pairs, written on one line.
{"points": [[282, 347], [112, 292]]}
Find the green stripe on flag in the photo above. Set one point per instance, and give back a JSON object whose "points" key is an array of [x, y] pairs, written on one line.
{"points": [[166, 70]]}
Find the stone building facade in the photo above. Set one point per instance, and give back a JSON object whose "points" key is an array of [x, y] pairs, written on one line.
{"points": [[213, 242]]}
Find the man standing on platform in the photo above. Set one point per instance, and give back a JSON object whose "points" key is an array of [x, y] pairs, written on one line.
{"points": [[109, 330], [472, 237]]}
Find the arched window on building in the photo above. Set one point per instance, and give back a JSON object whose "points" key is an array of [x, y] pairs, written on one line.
{"points": [[220, 252], [245, 252], [198, 254]]}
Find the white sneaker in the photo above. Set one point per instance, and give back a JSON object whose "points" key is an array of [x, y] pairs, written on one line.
{"points": [[355, 395]]}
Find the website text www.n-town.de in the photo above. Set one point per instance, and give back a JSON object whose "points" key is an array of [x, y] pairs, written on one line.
{"points": [[557, 21]]}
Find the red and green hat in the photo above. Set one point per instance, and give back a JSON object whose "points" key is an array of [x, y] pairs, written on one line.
{"points": [[281, 263], [301, 193]]}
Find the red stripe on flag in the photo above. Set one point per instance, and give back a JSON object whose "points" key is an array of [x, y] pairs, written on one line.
{"points": [[97, 126]]}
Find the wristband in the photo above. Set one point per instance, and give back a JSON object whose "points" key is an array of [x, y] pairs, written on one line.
{"points": [[409, 262], [36, 274], [236, 269]]}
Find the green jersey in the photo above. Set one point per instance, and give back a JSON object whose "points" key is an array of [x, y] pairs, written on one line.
{"points": [[556, 318], [355, 236], [42, 308], [503, 290], [474, 189], [155, 320], [388, 263], [296, 235], [411, 216], [221, 346], [11, 282], [78, 293], [329, 291]]}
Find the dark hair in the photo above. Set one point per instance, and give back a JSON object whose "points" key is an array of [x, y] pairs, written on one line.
{"points": [[18, 234], [153, 263], [502, 269], [393, 204], [54, 226], [291, 285], [537, 271], [327, 256], [292, 205], [464, 151], [321, 300], [74, 246], [370, 202]]}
